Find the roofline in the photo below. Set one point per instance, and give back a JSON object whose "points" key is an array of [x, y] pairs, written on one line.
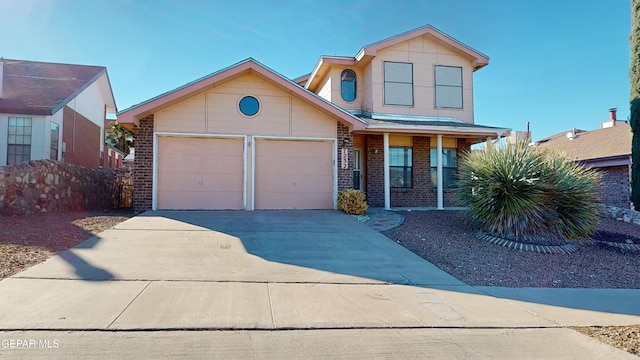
{"points": [[444, 129], [130, 114], [81, 89], [481, 60]]}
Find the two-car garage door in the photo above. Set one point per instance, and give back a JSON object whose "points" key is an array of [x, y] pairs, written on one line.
{"points": [[214, 173]]}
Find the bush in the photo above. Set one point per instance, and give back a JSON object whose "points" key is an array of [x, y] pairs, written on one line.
{"points": [[352, 202], [521, 192]]}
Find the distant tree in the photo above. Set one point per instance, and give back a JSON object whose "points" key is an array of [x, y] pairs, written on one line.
{"points": [[120, 137]]}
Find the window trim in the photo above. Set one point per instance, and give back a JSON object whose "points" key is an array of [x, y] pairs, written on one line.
{"points": [[384, 83], [55, 149], [342, 84], [436, 86], [12, 156], [246, 96], [434, 168], [404, 167]]}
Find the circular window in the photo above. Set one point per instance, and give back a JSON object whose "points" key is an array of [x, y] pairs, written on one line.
{"points": [[249, 106]]}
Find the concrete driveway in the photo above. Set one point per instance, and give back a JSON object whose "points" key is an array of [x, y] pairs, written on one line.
{"points": [[262, 280]]}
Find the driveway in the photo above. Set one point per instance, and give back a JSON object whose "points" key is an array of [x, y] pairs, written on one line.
{"points": [[317, 278]]}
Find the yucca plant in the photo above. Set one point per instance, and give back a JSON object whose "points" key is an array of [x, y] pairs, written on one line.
{"points": [[521, 192]]}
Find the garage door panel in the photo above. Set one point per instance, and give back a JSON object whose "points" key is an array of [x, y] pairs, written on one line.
{"points": [[294, 174], [200, 173]]}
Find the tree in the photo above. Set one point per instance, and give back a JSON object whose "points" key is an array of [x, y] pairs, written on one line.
{"points": [[634, 119], [120, 137]]}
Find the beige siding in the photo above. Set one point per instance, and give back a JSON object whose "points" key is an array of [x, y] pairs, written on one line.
{"points": [[325, 89], [216, 112], [424, 55]]}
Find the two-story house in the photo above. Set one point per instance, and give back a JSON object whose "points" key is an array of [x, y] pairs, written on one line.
{"points": [[53, 111], [391, 121]]}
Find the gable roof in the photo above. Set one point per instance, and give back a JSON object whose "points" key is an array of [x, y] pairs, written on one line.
{"points": [[478, 59], [132, 114], [43, 88], [593, 145]]}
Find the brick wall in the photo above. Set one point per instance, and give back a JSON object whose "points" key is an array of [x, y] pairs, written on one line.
{"points": [[48, 185], [345, 176], [143, 173], [615, 186], [82, 138], [375, 171]]}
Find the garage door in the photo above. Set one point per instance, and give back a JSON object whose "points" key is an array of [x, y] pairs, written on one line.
{"points": [[200, 173], [293, 174]]}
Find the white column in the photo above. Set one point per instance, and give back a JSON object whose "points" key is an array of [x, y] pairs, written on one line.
{"points": [[440, 191], [387, 182]]}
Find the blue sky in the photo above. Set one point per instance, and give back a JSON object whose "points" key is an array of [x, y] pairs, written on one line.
{"points": [[558, 64]]}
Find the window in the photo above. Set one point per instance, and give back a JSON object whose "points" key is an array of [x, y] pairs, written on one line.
{"points": [[55, 138], [19, 140], [401, 167], [348, 85], [249, 106], [449, 165], [448, 87], [398, 83], [357, 169]]}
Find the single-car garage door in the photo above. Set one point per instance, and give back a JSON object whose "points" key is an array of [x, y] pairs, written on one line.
{"points": [[200, 173], [293, 174]]}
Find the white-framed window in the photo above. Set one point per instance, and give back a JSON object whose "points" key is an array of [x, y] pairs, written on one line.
{"points": [[398, 83], [348, 85], [401, 167], [55, 140], [357, 169], [19, 140], [448, 84], [449, 166]]}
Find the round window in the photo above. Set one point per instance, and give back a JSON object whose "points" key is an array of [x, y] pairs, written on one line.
{"points": [[249, 106]]}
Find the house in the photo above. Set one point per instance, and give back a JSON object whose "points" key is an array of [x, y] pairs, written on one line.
{"points": [[607, 149], [114, 158], [391, 120], [53, 111]]}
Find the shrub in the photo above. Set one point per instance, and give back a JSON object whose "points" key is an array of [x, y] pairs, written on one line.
{"points": [[352, 202], [522, 192]]}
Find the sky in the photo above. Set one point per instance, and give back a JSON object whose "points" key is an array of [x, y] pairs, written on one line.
{"points": [[557, 64]]}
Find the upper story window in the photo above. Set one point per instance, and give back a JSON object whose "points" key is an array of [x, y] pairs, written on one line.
{"points": [[348, 85], [398, 83], [249, 106], [448, 86], [19, 140]]}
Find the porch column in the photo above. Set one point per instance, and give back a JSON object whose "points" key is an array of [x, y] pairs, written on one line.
{"points": [[387, 182], [439, 174]]}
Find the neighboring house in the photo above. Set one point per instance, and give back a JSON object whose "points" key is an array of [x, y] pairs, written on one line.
{"points": [[391, 121], [114, 158], [53, 111], [607, 149]]}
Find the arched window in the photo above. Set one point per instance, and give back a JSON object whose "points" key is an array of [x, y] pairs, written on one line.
{"points": [[348, 85]]}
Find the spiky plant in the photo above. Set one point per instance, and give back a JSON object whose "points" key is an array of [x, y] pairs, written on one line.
{"points": [[523, 192]]}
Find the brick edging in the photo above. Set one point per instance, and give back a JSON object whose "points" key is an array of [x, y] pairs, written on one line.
{"points": [[514, 245]]}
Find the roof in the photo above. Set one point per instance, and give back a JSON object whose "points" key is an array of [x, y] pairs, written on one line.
{"points": [[478, 59], [249, 65], [42, 88], [445, 126], [593, 145]]}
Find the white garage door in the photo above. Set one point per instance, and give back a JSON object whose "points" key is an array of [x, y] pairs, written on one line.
{"points": [[200, 173], [293, 174]]}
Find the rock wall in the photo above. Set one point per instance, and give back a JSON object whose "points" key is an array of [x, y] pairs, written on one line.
{"points": [[626, 215], [47, 185]]}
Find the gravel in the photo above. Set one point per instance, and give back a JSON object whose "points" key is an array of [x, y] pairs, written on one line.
{"points": [[445, 238]]}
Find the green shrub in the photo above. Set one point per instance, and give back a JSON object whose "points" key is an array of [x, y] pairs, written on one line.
{"points": [[522, 192], [352, 202]]}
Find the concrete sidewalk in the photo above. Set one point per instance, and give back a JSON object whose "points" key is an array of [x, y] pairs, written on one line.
{"points": [[273, 278]]}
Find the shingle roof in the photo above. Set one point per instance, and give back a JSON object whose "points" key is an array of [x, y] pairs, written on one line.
{"points": [[41, 88], [589, 145]]}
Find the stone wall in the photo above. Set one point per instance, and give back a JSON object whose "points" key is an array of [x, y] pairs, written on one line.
{"points": [[47, 185], [621, 214]]}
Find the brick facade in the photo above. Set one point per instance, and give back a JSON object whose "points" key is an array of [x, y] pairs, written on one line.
{"points": [[615, 190], [422, 194], [82, 139], [143, 174], [345, 142]]}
